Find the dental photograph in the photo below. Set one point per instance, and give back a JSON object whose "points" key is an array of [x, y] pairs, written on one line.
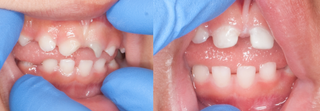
{"points": [[76, 55], [236, 55]]}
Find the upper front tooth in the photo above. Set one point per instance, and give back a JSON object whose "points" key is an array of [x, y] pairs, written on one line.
{"points": [[261, 38], [221, 75], [68, 47], [110, 50], [49, 65], [267, 71], [246, 75], [24, 40], [46, 43], [85, 67], [225, 37], [99, 65], [66, 66], [200, 73], [96, 47], [201, 36]]}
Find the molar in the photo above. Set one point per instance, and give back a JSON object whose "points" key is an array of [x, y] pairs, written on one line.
{"points": [[221, 75], [267, 71], [200, 73], [24, 40], [99, 65], [122, 50], [66, 66], [246, 76], [201, 36], [46, 43], [261, 38], [110, 50], [68, 47], [85, 67], [225, 36], [49, 65]]}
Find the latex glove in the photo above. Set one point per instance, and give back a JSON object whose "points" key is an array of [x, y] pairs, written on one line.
{"points": [[10, 27], [130, 88], [175, 18], [223, 107], [134, 16]]}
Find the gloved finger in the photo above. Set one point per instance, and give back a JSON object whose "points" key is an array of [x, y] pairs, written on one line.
{"points": [[133, 16], [130, 88], [175, 18], [10, 27], [33, 93], [223, 107]]}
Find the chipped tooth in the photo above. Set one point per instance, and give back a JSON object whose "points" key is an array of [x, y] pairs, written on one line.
{"points": [[267, 71], [122, 50], [24, 40], [46, 43], [246, 76], [261, 38], [85, 67], [200, 73], [225, 37], [66, 66], [99, 65], [49, 65], [96, 49], [110, 50], [201, 36], [113, 64], [68, 47], [221, 75]]}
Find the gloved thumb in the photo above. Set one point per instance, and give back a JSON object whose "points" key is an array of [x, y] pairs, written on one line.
{"points": [[220, 107]]}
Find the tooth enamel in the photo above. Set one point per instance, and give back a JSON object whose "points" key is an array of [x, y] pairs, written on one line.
{"points": [[24, 40], [122, 50], [201, 36], [26, 64], [221, 75], [96, 49], [288, 71], [99, 65], [261, 38], [110, 50], [66, 66], [68, 47], [46, 43], [245, 76], [200, 73], [85, 67], [49, 65], [267, 71], [225, 37], [113, 64]]}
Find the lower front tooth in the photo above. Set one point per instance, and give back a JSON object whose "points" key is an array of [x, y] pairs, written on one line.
{"points": [[68, 47], [66, 66], [85, 67], [201, 36], [50, 65], [46, 43], [221, 75], [246, 75], [225, 37], [24, 40], [267, 71], [200, 73], [99, 65], [261, 38]]}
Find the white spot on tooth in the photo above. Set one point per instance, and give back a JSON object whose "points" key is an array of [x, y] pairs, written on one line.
{"points": [[261, 38], [66, 66], [68, 47], [85, 67], [99, 65], [46, 43], [246, 76], [24, 40], [49, 65], [110, 50]]}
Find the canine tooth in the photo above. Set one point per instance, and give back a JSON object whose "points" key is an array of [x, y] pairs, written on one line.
{"points": [[246, 75], [24, 40], [113, 64], [261, 38], [46, 43], [225, 37], [99, 65], [68, 47], [221, 75], [200, 73], [122, 50], [267, 71], [110, 50], [201, 36], [66, 66], [50, 65], [96, 49], [85, 67]]}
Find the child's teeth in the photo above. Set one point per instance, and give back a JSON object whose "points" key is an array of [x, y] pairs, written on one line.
{"points": [[24, 40], [99, 65], [267, 71], [113, 64], [201, 36], [68, 47], [225, 37], [50, 65], [85, 67], [261, 38], [246, 75], [46, 43], [110, 50], [221, 75], [200, 73], [122, 50], [288, 71], [96, 47], [66, 66]]}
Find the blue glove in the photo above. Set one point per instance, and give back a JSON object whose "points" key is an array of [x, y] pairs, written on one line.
{"points": [[33, 93], [175, 18], [134, 16], [10, 27], [130, 88], [223, 107]]}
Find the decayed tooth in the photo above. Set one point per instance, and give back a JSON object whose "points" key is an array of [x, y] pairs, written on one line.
{"points": [[46, 43], [245, 76], [68, 47], [99, 65], [85, 67], [110, 50], [221, 75], [261, 38], [66, 66], [201, 36], [225, 37], [200, 73], [24, 40], [113, 64], [49, 65], [267, 71], [96, 47]]}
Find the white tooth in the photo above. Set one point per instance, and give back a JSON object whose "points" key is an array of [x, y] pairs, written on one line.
{"points": [[261, 38], [46, 43], [110, 50], [24, 40], [267, 71], [245, 76], [225, 37], [221, 75], [96, 49], [66, 66], [99, 65], [26, 64], [200, 73], [68, 47], [113, 64], [122, 50], [201, 36], [49, 65], [85, 67]]}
